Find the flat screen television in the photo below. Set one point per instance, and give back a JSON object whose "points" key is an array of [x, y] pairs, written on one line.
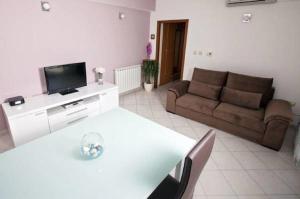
{"points": [[64, 79]]}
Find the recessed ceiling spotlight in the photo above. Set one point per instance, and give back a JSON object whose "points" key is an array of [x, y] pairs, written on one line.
{"points": [[45, 6], [122, 16]]}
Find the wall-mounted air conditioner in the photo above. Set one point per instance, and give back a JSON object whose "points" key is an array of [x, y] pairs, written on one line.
{"points": [[248, 2]]}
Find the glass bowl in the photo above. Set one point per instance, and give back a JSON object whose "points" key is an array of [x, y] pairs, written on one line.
{"points": [[91, 145]]}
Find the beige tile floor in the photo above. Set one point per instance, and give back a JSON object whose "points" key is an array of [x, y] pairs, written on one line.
{"points": [[237, 169]]}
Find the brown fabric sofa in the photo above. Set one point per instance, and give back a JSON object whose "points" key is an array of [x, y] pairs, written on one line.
{"points": [[239, 104]]}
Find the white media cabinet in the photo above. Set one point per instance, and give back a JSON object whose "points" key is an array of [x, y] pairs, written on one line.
{"points": [[44, 114]]}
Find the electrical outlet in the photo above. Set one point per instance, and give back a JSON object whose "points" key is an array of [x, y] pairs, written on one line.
{"points": [[247, 18], [195, 52], [209, 54]]}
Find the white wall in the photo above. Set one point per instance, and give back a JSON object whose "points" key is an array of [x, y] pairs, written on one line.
{"points": [[134, 4], [268, 46]]}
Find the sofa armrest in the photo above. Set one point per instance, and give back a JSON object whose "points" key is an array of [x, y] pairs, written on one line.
{"points": [[278, 110], [174, 92], [180, 88]]}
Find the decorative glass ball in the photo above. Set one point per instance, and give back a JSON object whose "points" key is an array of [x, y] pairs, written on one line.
{"points": [[92, 145]]}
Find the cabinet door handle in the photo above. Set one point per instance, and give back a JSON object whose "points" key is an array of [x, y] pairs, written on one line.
{"points": [[38, 114], [103, 94], [84, 109], [77, 120]]}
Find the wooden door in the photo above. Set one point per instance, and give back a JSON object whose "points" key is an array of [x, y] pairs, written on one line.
{"points": [[171, 35], [168, 51], [178, 54]]}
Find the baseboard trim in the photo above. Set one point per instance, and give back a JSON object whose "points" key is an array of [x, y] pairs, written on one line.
{"points": [[3, 132], [131, 91]]}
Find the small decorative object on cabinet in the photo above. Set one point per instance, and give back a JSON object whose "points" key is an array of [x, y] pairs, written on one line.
{"points": [[100, 72], [91, 146], [150, 69], [14, 101]]}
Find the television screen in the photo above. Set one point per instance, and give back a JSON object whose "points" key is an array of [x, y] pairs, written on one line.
{"points": [[65, 78]]}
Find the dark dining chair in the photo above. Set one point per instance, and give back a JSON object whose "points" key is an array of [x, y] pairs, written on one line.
{"points": [[194, 163]]}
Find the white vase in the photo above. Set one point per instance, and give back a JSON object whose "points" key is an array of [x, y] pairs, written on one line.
{"points": [[148, 87]]}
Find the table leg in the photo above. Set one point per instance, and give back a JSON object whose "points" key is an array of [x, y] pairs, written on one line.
{"points": [[178, 171]]}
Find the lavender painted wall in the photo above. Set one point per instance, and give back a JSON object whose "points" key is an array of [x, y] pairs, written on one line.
{"points": [[74, 31]]}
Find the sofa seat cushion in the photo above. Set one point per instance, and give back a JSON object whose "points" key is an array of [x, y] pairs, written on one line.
{"points": [[197, 103], [244, 117]]}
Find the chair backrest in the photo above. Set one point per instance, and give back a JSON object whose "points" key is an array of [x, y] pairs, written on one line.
{"points": [[194, 164]]}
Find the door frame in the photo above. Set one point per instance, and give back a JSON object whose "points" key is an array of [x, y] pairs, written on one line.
{"points": [[159, 23]]}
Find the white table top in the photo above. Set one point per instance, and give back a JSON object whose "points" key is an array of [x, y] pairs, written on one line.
{"points": [[138, 155]]}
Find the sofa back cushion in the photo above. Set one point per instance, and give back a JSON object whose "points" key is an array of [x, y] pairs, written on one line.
{"points": [[207, 83], [216, 78], [241, 98], [205, 90], [252, 84], [267, 97]]}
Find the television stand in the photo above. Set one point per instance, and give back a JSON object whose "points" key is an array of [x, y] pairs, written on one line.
{"points": [[45, 114], [69, 91]]}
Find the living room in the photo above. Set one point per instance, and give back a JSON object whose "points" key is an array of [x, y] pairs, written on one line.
{"points": [[257, 40]]}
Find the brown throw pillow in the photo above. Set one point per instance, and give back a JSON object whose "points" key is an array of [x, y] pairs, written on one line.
{"points": [[241, 98], [252, 84], [204, 90]]}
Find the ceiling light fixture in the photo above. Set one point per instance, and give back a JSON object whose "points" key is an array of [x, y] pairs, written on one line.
{"points": [[122, 16], [45, 6]]}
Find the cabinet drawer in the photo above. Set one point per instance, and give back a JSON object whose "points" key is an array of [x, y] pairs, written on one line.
{"points": [[29, 127], [61, 120], [62, 124], [73, 113], [109, 100]]}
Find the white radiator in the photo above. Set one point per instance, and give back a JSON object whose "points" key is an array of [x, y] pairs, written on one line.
{"points": [[128, 78]]}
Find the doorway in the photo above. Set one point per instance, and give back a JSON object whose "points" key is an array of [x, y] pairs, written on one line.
{"points": [[170, 52]]}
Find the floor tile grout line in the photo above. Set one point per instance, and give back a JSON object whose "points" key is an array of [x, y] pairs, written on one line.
{"points": [[243, 169], [283, 181], [256, 182], [256, 154], [243, 165], [285, 160], [271, 170], [236, 194], [232, 154]]}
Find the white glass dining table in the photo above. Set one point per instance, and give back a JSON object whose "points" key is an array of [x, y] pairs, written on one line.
{"points": [[138, 155]]}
